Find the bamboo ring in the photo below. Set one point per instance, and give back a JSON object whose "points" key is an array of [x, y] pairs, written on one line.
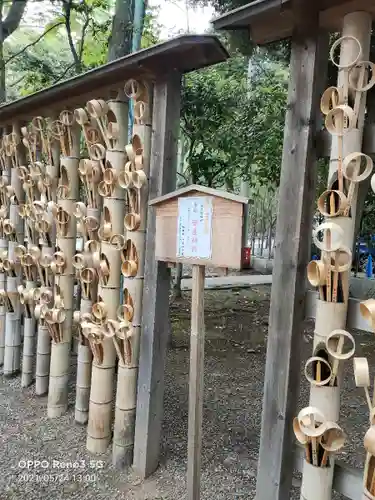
{"points": [[323, 201], [125, 179], [139, 178], [345, 114], [367, 309], [133, 89], [369, 440], [301, 437], [331, 349], [67, 118], [344, 259], [316, 272], [330, 99], [109, 176], [357, 177], [125, 312], [308, 418], [88, 275], [129, 268], [92, 136], [91, 223], [118, 241], [333, 438], [80, 210], [81, 116], [361, 372], [62, 191], [40, 311], [330, 227], [124, 329], [104, 189], [339, 42], [99, 311], [97, 152], [21, 173], [373, 183], [111, 328], [97, 108], [92, 246], [310, 378], [19, 251], [140, 110], [370, 83], [132, 221]]}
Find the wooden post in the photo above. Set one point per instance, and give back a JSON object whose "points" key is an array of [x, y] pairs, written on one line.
{"points": [[294, 223], [196, 384], [155, 332]]}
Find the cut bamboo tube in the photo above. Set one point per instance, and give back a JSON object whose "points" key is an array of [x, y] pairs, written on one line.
{"points": [[29, 341], [103, 374], [3, 248], [67, 196], [84, 365], [12, 354], [126, 395], [43, 349]]}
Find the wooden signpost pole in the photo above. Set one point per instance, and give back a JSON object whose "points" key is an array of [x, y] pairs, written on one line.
{"points": [[196, 383], [191, 227]]}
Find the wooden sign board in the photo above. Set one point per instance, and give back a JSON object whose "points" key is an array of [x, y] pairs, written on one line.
{"points": [[199, 225]]}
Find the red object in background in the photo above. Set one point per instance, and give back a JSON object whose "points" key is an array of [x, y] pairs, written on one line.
{"points": [[246, 256]]}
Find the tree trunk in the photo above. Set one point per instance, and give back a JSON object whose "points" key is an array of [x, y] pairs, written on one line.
{"points": [[120, 42]]}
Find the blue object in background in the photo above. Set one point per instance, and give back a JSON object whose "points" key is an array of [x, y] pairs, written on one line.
{"points": [[314, 257], [369, 266]]}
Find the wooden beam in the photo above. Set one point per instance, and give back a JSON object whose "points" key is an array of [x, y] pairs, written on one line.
{"points": [[295, 213], [155, 325]]}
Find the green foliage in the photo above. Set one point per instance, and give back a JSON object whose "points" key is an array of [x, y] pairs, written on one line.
{"points": [[49, 57], [232, 130]]}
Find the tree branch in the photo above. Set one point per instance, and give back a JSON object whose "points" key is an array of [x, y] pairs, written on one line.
{"points": [[31, 44], [64, 73], [12, 21], [67, 7]]}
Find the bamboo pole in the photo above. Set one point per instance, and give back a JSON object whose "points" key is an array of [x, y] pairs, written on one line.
{"points": [[84, 366], [344, 120], [103, 368], [29, 338], [3, 254], [67, 196], [12, 354], [43, 356], [133, 277]]}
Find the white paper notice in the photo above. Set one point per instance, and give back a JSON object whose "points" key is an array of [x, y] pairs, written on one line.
{"points": [[194, 231]]}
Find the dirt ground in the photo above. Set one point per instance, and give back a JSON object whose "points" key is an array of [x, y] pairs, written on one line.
{"points": [[236, 333]]}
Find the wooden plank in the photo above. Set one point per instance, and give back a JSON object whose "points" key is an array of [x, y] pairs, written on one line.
{"points": [[200, 189], [296, 203], [196, 384], [155, 325]]}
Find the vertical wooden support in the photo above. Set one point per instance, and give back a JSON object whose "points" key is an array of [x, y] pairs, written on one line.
{"points": [[84, 364], [196, 384], [29, 341], [296, 202], [155, 327]]}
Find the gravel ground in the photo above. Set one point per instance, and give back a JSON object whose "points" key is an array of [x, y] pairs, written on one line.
{"points": [[236, 328]]}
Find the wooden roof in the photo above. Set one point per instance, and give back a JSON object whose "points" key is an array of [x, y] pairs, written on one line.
{"points": [[200, 189], [272, 20], [182, 54]]}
